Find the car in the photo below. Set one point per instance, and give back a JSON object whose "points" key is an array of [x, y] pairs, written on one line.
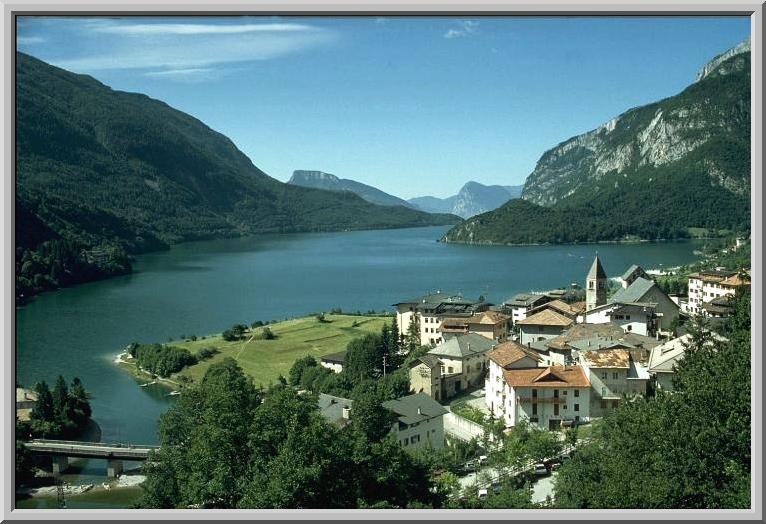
{"points": [[483, 459], [540, 469], [555, 466], [497, 488], [483, 493]]}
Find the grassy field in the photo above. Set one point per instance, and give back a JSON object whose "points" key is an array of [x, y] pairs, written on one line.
{"points": [[265, 360]]}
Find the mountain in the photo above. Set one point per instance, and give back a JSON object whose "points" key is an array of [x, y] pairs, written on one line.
{"points": [[320, 180], [474, 198], [652, 172], [101, 174]]}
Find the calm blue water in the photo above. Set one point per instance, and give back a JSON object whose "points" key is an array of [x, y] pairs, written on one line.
{"points": [[205, 287]]}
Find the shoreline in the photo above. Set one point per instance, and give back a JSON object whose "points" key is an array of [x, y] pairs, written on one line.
{"points": [[125, 362], [595, 242], [21, 301], [122, 482]]}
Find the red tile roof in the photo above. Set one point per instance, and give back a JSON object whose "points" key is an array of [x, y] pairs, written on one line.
{"points": [[550, 377], [509, 352]]}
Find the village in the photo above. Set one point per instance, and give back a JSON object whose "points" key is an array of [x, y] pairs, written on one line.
{"points": [[540, 358]]}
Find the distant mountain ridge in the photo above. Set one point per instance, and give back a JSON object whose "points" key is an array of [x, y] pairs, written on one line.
{"points": [[102, 173], [472, 199], [650, 173], [330, 182]]}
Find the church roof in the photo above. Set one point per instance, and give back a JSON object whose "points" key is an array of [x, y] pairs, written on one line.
{"points": [[596, 270], [634, 292]]}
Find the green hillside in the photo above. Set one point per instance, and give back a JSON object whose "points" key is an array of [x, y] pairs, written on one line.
{"points": [[102, 174], [706, 186]]}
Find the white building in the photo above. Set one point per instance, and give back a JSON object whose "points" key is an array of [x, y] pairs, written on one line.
{"points": [[612, 374], [664, 358], [547, 397], [544, 325], [519, 305], [429, 311], [643, 291], [464, 355], [334, 361], [708, 285], [640, 318], [420, 421]]}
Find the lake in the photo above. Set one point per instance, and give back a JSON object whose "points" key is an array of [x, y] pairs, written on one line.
{"points": [[205, 287]]}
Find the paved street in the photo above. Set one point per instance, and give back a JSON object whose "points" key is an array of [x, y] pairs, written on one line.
{"points": [[543, 488]]}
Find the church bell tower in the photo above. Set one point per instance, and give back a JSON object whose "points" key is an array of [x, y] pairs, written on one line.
{"points": [[595, 286]]}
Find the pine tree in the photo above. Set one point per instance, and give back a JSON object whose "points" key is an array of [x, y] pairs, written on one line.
{"points": [[413, 333], [43, 409]]}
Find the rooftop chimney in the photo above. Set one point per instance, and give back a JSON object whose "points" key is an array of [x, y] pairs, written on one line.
{"points": [[346, 412], [420, 411]]}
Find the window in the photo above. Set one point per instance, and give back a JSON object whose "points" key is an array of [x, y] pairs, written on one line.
{"points": [[534, 408], [565, 406], [534, 393], [577, 392], [577, 407], [614, 403], [603, 404], [603, 375], [565, 392], [449, 369], [405, 442], [627, 317], [603, 392], [615, 375]]}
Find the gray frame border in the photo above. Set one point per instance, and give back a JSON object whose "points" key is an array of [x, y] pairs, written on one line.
{"points": [[752, 8]]}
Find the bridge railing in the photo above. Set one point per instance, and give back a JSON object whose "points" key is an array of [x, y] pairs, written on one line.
{"points": [[94, 444]]}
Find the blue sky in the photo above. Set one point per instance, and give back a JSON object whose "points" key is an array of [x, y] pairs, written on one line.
{"points": [[414, 106]]}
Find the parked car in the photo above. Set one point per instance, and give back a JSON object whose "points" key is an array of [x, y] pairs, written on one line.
{"points": [[483, 493], [540, 469], [483, 460]]}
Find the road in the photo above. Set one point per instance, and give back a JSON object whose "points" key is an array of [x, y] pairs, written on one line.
{"points": [[543, 488]]}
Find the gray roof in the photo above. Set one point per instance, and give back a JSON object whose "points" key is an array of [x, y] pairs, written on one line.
{"points": [[524, 299], [339, 357], [463, 345], [632, 269], [596, 270], [331, 407], [634, 292], [429, 360], [587, 344], [415, 408], [435, 299]]}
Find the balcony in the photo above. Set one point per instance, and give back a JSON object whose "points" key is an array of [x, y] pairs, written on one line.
{"points": [[542, 400]]}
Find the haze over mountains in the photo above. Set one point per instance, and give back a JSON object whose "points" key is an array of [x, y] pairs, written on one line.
{"points": [[651, 173], [321, 180], [472, 199]]}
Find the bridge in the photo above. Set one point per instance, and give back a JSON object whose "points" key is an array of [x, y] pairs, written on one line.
{"points": [[115, 454]]}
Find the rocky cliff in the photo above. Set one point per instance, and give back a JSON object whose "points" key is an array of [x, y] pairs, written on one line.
{"points": [[651, 135], [472, 199], [651, 173]]}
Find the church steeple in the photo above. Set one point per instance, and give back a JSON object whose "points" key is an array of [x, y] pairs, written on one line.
{"points": [[595, 285]]}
